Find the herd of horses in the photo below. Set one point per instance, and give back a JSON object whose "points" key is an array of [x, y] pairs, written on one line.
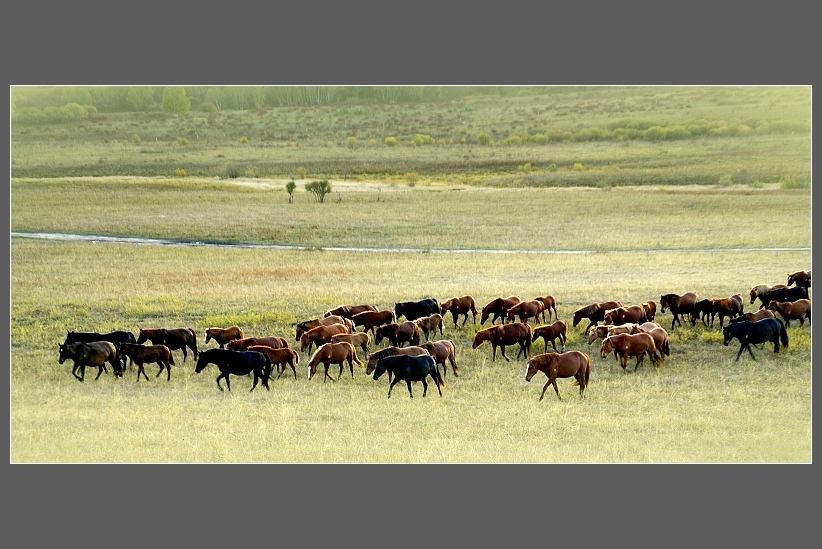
{"points": [[626, 332]]}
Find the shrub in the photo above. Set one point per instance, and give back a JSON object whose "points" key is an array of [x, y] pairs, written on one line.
{"points": [[513, 139], [411, 178], [795, 182], [230, 171], [180, 172], [90, 109], [30, 115], [758, 184], [391, 141], [484, 139], [351, 141], [577, 167], [372, 142], [243, 139], [319, 189], [182, 141], [552, 168], [726, 180], [289, 188], [252, 172], [77, 111], [421, 139], [524, 167], [655, 133], [541, 139], [58, 115], [136, 139], [207, 106], [301, 173]]}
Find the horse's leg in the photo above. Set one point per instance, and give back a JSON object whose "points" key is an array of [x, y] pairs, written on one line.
{"points": [[453, 366], [502, 350], [554, 345], [390, 387], [160, 371], [544, 388], [255, 380], [424, 387], [556, 389], [408, 382], [99, 372], [218, 381], [74, 371], [183, 348]]}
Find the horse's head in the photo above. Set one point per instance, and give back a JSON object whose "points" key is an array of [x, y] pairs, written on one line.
{"points": [[481, 337], [664, 302], [379, 369], [606, 348], [727, 334], [63, 356], [577, 316], [142, 337], [530, 370], [202, 362]]}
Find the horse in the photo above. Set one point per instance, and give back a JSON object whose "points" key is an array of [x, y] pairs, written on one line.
{"points": [[703, 309], [371, 319], [320, 336], [94, 354], [660, 336], [409, 368], [761, 291], [800, 278], [650, 309], [238, 363], [499, 308], [753, 317], [390, 351], [306, 325], [550, 306], [793, 310], [460, 306], [279, 357], [574, 364], [333, 353], [525, 310], [506, 334], [648, 326], [625, 346], [174, 339], [430, 324], [786, 294], [412, 310], [730, 307], [633, 314], [399, 334], [243, 344], [358, 339], [595, 312], [680, 305], [223, 335], [558, 329], [117, 336], [147, 354], [601, 332], [443, 350], [347, 311], [767, 329]]}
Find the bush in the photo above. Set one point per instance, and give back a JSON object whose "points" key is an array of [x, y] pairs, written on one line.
{"points": [[351, 141], [289, 188], [552, 168], [243, 139], [541, 139], [655, 133], [30, 115], [795, 182], [136, 139], [301, 173], [58, 115], [512, 139], [90, 109], [577, 167], [207, 106], [484, 139], [78, 111], [372, 142], [182, 141], [230, 171], [319, 189], [726, 180], [411, 178], [421, 139], [252, 172], [180, 172], [524, 167], [758, 184]]}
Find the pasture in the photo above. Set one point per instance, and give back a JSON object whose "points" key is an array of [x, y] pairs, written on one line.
{"points": [[699, 407]]}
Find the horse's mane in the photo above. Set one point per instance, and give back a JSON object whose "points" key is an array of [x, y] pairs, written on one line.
{"points": [[382, 353]]}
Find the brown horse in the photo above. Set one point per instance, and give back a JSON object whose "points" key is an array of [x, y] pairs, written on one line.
{"points": [[761, 291], [650, 309], [390, 351], [525, 310], [648, 326], [148, 354], [730, 307], [279, 357], [506, 334], [550, 307], [633, 314], [628, 345], [303, 327], [430, 324], [499, 308], [94, 354], [223, 335], [753, 317], [595, 312], [601, 332], [559, 329], [793, 310], [243, 344], [443, 350], [174, 339], [357, 339], [679, 305], [399, 334], [800, 278], [320, 336], [371, 319], [348, 311], [660, 336], [460, 306], [574, 364], [333, 353]]}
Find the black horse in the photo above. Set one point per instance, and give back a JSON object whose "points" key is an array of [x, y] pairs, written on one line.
{"points": [[412, 310], [116, 337], [784, 294], [410, 368], [767, 329], [239, 363]]}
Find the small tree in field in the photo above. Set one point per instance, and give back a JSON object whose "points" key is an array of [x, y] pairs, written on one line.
{"points": [[289, 188], [319, 189], [175, 100]]}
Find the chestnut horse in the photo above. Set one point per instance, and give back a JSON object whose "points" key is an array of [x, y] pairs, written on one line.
{"points": [[550, 307], [279, 357], [147, 354], [460, 306], [730, 307], [333, 353], [559, 329], [753, 317], [660, 336], [601, 332], [793, 310], [430, 324], [499, 308], [243, 344], [617, 316], [680, 305], [525, 310], [303, 327], [595, 312], [574, 364], [174, 339], [399, 334], [348, 311], [650, 310], [320, 336], [443, 350], [506, 334], [223, 335], [800, 278], [358, 339], [628, 345], [371, 319]]}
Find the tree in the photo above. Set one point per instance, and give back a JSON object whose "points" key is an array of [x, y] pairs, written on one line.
{"points": [[175, 100], [289, 188], [319, 188]]}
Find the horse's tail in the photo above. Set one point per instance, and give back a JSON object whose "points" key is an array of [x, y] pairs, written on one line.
{"points": [[171, 358], [354, 353], [439, 379], [295, 355], [783, 334]]}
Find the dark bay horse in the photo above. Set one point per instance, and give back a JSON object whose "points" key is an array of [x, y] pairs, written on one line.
{"points": [[443, 350], [767, 329], [684, 305], [347, 311], [369, 320], [574, 364], [304, 326], [174, 339], [117, 336], [460, 306], [499, 308], [94, 354], [410, 368], [399, 334], [391, 351], [633, 314], [279, 357], [595, 312], [506, 334], [148, 354], [559, 329], [238, 363], [550, 307], [800, 278], [786, 294], [223, 335]]}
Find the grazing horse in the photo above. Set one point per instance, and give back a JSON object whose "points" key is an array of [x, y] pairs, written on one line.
{"points": [[499, 308], [793, 310], [525, 310], [94, 354], [595, 312], [224, 335], [601, 332], [574, 364], [559, 329], [550, 307], [443, 350], [238, 363], [753, 317], [117, 336], [371, 319], [174, 339], [142, 354], [680, 305], [703, 309], [617, 316], [506, 334], [358, 339], [460, 306], [320, 336], [399, 334], [628, 345], [430, 324], [767, 329], [243, 344], [333, 353], [347, 311], [650, 310], [786, 294], [304, 326], [410, 368], [800, 278], [390, 351], [412, 310], [761, 291], [279, 357]]}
